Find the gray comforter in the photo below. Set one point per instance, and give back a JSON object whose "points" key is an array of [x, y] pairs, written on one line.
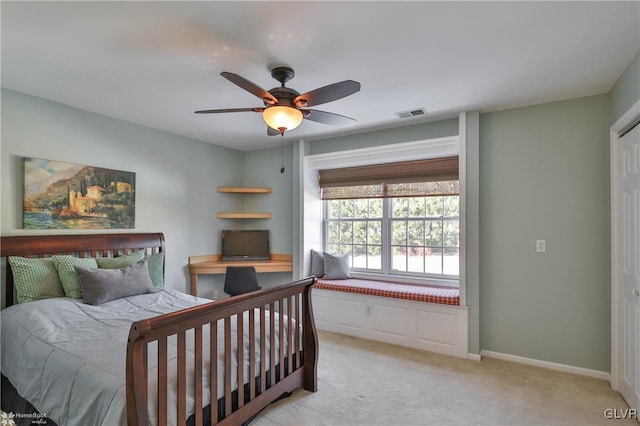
{"points": [[68, 358]]}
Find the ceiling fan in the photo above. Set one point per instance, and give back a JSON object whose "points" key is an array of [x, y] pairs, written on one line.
{"points": [[285, 108]]}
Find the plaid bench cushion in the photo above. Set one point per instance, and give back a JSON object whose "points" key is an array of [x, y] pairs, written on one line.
{"points": [[440, 295]]}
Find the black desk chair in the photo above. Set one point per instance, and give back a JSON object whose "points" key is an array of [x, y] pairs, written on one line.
{"points": [[240, 279]]}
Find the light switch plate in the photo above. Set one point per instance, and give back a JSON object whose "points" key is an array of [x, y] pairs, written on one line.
{"points": [[541, 246]]}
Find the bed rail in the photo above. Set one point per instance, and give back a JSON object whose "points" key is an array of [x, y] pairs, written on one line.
{"points": [[292, 358]]}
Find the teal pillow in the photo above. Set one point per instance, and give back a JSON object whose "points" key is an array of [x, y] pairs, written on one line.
{"points": [[35, 279], [156, 269], [67, 272], [120, 261]]}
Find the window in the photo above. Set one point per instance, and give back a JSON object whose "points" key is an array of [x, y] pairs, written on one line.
{"points": [[395, 218], [413, 236], [425, 235], [355, 226]]}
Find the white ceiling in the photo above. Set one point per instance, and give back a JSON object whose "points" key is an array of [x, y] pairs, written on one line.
{"points": [[155, 63]]}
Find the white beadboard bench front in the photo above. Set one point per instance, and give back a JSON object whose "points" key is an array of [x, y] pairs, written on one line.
{"points": [[435, 327]]}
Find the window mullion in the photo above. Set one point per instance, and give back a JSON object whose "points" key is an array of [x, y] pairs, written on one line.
{"points": [[386, 251], [325, 224], [353, 244]]}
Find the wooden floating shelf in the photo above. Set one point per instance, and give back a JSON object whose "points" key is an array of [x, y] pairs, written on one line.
{"points": [[244, 215], [244, 190]]}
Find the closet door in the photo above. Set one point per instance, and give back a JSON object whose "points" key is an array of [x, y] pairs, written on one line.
{"points": [[630, 266]]}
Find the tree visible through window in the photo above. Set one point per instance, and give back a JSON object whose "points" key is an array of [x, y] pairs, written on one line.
{"points": [[425, 235], [416, 235], [355, 226]]}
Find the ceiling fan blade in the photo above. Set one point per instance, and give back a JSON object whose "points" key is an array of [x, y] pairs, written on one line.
{"points": [[328, 93], [328, 118], [272, 132], [215, 111], [250, 87]]}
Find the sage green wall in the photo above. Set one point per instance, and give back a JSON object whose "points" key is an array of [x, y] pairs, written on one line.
{"points": [[259, 168], [176, 177], [626, 91], [262, 168], [544, 175], [408, 133]]}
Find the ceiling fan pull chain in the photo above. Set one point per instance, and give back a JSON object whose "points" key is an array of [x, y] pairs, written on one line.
{"points": [[281, 154]]}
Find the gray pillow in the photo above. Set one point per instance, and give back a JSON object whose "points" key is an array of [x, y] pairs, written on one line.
{"points": [[336, 268], [317, 264], [102, 285]]}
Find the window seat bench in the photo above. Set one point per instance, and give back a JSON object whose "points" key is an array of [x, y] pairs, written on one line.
{"points": [[393, 313], [419, 293]]}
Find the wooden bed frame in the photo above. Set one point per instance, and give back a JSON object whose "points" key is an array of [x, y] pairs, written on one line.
{"points": [[293, 367]]}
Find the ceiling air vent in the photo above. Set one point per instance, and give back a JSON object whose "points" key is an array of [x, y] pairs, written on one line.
{"points": [[411, 113]]}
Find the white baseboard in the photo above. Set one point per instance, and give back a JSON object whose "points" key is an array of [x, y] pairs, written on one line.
{"points": [[474, 357], [549, 365]]}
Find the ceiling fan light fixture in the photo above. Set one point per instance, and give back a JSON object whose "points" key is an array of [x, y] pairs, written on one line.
{"points": [[285, 108], [282, 117]]}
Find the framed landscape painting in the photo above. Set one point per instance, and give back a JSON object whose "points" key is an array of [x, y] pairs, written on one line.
{"points": [[59, 195]]}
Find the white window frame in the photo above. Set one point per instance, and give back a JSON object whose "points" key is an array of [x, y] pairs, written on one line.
{"points": [[408, 151], [325, 233], [386, 249]]}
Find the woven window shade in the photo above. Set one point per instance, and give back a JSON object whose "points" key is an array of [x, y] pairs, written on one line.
{"points": [[422, 189], [351, 192], [433, 177], [431, 170], [392, 190]]}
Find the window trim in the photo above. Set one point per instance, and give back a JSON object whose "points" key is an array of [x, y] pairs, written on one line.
{"points": [[311, 204], [396, 152]]}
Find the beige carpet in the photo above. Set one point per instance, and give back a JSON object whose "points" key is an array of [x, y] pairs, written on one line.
{"points": [[362, 382]]}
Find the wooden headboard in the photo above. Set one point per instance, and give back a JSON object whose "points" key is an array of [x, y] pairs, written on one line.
{"points": [[80, 245]]}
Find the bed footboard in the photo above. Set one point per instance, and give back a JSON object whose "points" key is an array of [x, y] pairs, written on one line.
{"points": [[268, 348]]}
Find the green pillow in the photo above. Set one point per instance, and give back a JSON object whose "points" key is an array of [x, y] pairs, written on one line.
{"points": [[156, 269], [120, 261], [35, 278], [67, 272]]}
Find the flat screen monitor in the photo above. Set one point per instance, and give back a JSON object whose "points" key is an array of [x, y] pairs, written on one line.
{"points": [[245, 245]]}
